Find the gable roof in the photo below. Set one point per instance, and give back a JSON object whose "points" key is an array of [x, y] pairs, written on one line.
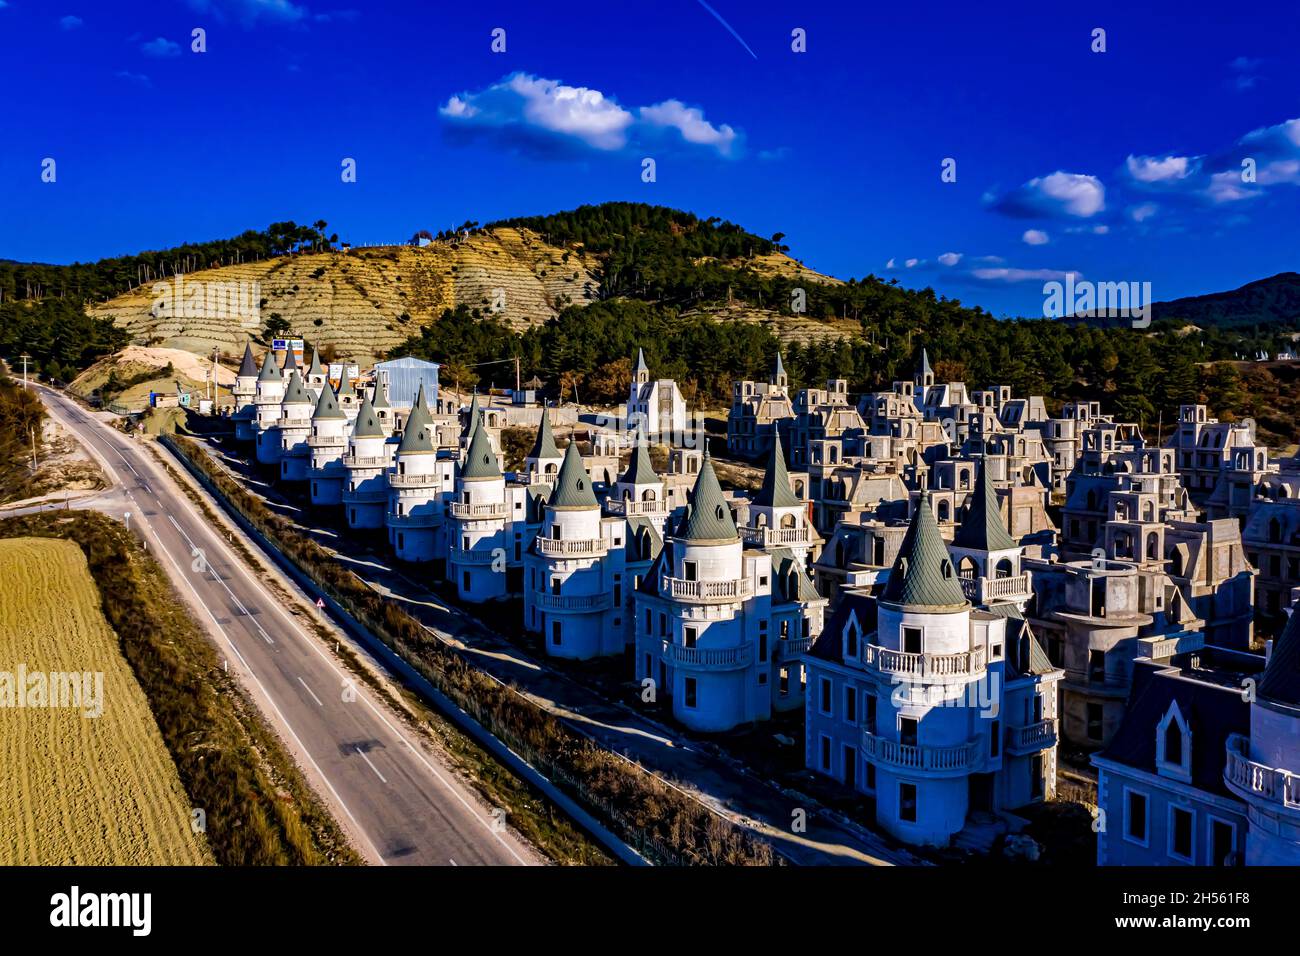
{"points": [[707, 517], [775, 491], [367, 425], [982, 528], [573, 485], [544, 446], [480, 459], [247, 367], [857, 605], [923, 575]]}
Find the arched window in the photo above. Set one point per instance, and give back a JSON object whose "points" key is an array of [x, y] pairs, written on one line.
{"points": [[761, 520], [1003, 569], [1176, 562], [1274, 531], [1173, 742], [787, 521], [648, 495], [967, 568], [945, 511], [1148, 512], [1153, 546]]}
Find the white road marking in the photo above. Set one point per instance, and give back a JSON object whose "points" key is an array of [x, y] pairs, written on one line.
{"points": [[310, 691], [453, 862], [369, 764], [238, 603]]}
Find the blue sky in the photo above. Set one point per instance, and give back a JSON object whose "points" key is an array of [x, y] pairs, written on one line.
{"points": [[1122, 165]]}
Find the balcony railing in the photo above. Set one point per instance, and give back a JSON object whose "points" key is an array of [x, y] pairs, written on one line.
{"points": [[632, 508], [565, 548], [923, 666], [483, 512], [710, 658], [326, 441], [708, 592], [414, 481], [572, 602], [366, 461], [776, 537], [793, 647], [362, 496], [985, 590], [475, 556], [1036, 736], [955, 758], [419, 519], [1251, 778]]}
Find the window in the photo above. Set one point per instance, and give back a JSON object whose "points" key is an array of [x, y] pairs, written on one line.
{"points": [[1180, 833], [826, 696], [464, 580], [907, 731], [1097, 666], [556, 635], [826, 754], [1135, 817], [995, 739], [688, 636], [1223, 843], [1036, 767], [850, 704], [907, 802], [911, 640], [850, 767], [691, 698], [783, 682], [869, 705], [1094, 713]]}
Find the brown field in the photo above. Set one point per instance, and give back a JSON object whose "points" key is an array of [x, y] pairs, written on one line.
{"points": [[79, 790]]}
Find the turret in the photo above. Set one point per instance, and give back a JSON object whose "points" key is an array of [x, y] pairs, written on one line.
{"points": [[477, 553], [415, 507], [244, 390], [327, 443], [295, 424], [543, 462], [267, 399], [365, 496]]}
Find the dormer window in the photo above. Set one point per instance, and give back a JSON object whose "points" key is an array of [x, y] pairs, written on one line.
{"points": [[1174, 745], [851, 639]]}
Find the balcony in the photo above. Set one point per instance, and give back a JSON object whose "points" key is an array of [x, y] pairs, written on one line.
{"points": [[708, 592], [572, 602], [923, 667], [365, 496], [630, 508], [954, 759], [476, 556], [707, 658], [988, 590], [566, 548], [1250, 779], [326, 441], [1034, 737], [793, 648], [396, 480], [484, 512], [420, 519], [776, 537], [366, 461]]}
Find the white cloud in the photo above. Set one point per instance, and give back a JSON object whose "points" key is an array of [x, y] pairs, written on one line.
{"points": [[1229, 187], [1142, 212], [250, 11], [160, 47], [1011, 276], [690, 122], [1161, 169], [1058, 194], [69, 22], [912, 263], [542, 113], [1035, 237], [950, 258], [891, 264]]}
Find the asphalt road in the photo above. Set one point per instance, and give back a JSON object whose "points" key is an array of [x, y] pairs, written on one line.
{"points": [[399, 803]]}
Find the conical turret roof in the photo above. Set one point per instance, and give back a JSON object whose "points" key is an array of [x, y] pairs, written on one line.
{"points": [[316, 368], [779, 369], [345, 386], [380, 400], [296, 392], [639, 470], [417, 434], [982, 529], [367, 424], [270, 371], [327, 406], [640, 362], [544, 446], [290, 360], [471, 422], [573, 484], [1281, 682], [775, 492], [480, 459], [707, 517], [923, 575], [248, 367], [925, 364]]}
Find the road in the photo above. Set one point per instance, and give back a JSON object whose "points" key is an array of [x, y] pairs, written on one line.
{"points": [[395, 798]]}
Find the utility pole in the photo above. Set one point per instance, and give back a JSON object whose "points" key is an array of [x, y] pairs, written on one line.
{"points": [[516, 373], [24, 358], [32, 431]]}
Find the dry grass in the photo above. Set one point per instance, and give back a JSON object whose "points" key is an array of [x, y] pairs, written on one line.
{"points": [[88, 791]]}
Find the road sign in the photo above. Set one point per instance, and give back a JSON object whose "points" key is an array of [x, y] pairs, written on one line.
{"points": [[320, 602]]}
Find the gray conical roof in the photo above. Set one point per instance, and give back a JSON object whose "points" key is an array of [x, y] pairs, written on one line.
{"points": [[417, 434], [1281, 682], [923, 575], [639, 470], [640, 362], [708, 518], [982, 529], [290, 360], [779, 369], [345, 386], [925, 363], [775, 492], [544, 446], [471, 422], [248, 367], [573, 484], [296, 392], [367, 424], [380, 400], [480, 459], [270, 371], [316, 368], [327, 406]]}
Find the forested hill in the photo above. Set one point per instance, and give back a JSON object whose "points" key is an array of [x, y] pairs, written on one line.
{"points": [[1266, 302]]}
